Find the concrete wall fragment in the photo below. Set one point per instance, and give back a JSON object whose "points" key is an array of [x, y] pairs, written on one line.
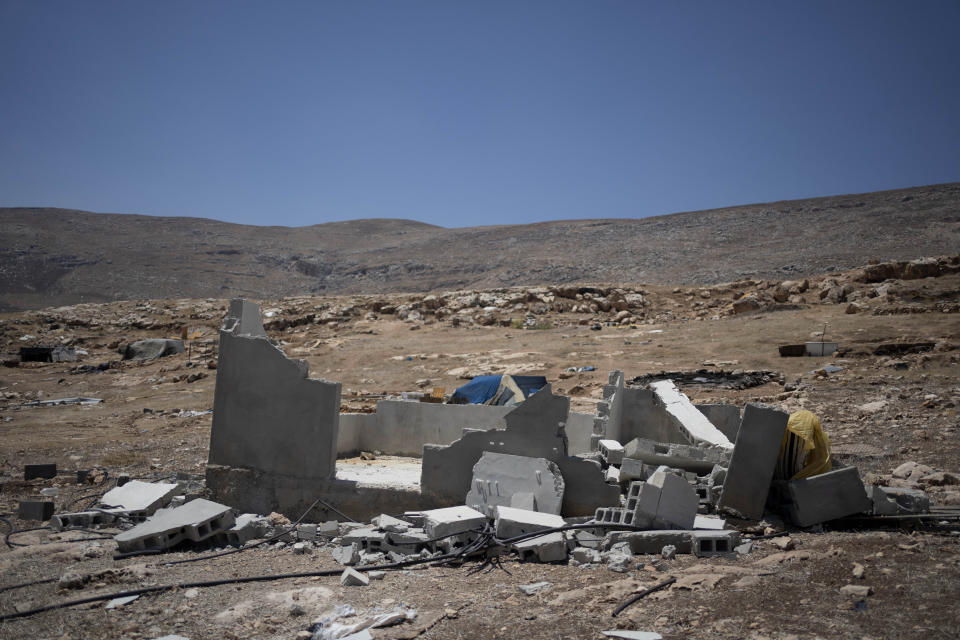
{"points": [[689, 421], [268, 414], [501, 479], [753, 461]]}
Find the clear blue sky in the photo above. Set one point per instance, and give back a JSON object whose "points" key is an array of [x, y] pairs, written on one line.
{"points": [[460, 114]]}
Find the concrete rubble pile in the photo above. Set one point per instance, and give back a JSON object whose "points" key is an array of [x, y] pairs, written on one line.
{"points": [[649, 472]]}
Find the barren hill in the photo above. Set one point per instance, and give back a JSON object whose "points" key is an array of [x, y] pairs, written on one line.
{"points": [[56, 256]]}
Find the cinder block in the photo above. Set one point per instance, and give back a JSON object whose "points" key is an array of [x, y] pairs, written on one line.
{"points": [[31, 471], [643, 502], [611, 450], [753, 461], [828, 496], [82, 519], [678, 502], [366, 538], [197, 520], [512, 522], [649, 541], [550, 547], [714, 543], [439, 523], [35, 510]]}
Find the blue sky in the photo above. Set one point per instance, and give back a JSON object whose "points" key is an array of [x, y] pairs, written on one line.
{"points": [[462, 114]]}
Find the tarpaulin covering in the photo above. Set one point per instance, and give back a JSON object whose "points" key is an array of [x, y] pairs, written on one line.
{"points": [[499, 390], [805, 450]]}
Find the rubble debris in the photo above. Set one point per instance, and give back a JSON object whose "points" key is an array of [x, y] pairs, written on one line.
{"points": [[611, 450], [353, 578], [737, 381], [891, 501], [61, 401], [679, 456], [501, 479], [441, 523], [535, 588], [549, 547], [152, 349], [627, 634], [81, 519], [44, 470], [197, 520], [753, 460]]}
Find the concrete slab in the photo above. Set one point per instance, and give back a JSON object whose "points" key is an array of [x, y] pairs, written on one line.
{"points": [[498, 477], [512, 522], [827, 496], [197, 520], [550, 547], [137, 495], [693, 424], [678, 456], [439, 523], [678, 503], [754, 458], [891, 501], [709, 523]]}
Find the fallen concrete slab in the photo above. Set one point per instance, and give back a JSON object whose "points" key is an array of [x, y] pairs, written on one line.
{"points": [[694, 425], [511, 522], [550, 547], [827, 496], [677, 456], [439, 523], [754, 459], [197, 520], [139, 497]]}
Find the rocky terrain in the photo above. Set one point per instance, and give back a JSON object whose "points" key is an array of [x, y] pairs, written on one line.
{"points": [[889, 401], [52, 257]]}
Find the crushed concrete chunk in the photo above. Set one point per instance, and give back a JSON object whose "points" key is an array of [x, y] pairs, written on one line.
{"points": [[353, 578]]}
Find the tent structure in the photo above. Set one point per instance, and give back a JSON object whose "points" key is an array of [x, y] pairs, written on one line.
{"points": [[498, 390]]}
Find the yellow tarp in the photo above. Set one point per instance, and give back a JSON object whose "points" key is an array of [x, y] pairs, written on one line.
{"points": [[816, 445]]}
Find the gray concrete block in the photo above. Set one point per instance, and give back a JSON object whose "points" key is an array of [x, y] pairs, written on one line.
{"points": [[550, 547], [633, 469], [678, 502], [366, 538], [498, 477], [353, 578], [512, 522], [585, 487], [268, 414], [439, 523], [714, 543], [891, 501], [307, 532], [611, 450], [35, 510], [649, 541], [140, 496], [585, 555], [197, 520], [643, 501], [347, 555], [81, 519], [754, 458], [827, 496], [390, 524]]}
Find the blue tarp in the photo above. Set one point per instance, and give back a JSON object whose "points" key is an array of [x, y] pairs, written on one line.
{"points": [[482, 388], [478, 390]]}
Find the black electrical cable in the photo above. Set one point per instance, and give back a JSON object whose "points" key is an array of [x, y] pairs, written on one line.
{"points": [[215, 583], [336, 511], [643, 594], [27, 584]]}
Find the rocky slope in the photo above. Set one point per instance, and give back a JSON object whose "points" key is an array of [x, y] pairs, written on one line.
{"points": [[52, 257]]}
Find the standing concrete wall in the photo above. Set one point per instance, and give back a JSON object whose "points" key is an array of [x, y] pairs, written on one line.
{"points": [[267, 413], [402, 427]]}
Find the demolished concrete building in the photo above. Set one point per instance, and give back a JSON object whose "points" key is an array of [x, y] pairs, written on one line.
{"points": [[276, 435]]}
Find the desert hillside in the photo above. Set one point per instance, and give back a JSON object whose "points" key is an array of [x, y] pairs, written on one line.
{"points": [[51, 257]]}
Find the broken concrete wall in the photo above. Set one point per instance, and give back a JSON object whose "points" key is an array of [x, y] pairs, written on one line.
{"points": [[692, 424], [402, 427], [644, 418], [725, 417], [268, 414], [534, 429]]}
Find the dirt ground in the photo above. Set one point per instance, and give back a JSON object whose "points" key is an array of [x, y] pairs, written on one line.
{"points": [[879, 411]]}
